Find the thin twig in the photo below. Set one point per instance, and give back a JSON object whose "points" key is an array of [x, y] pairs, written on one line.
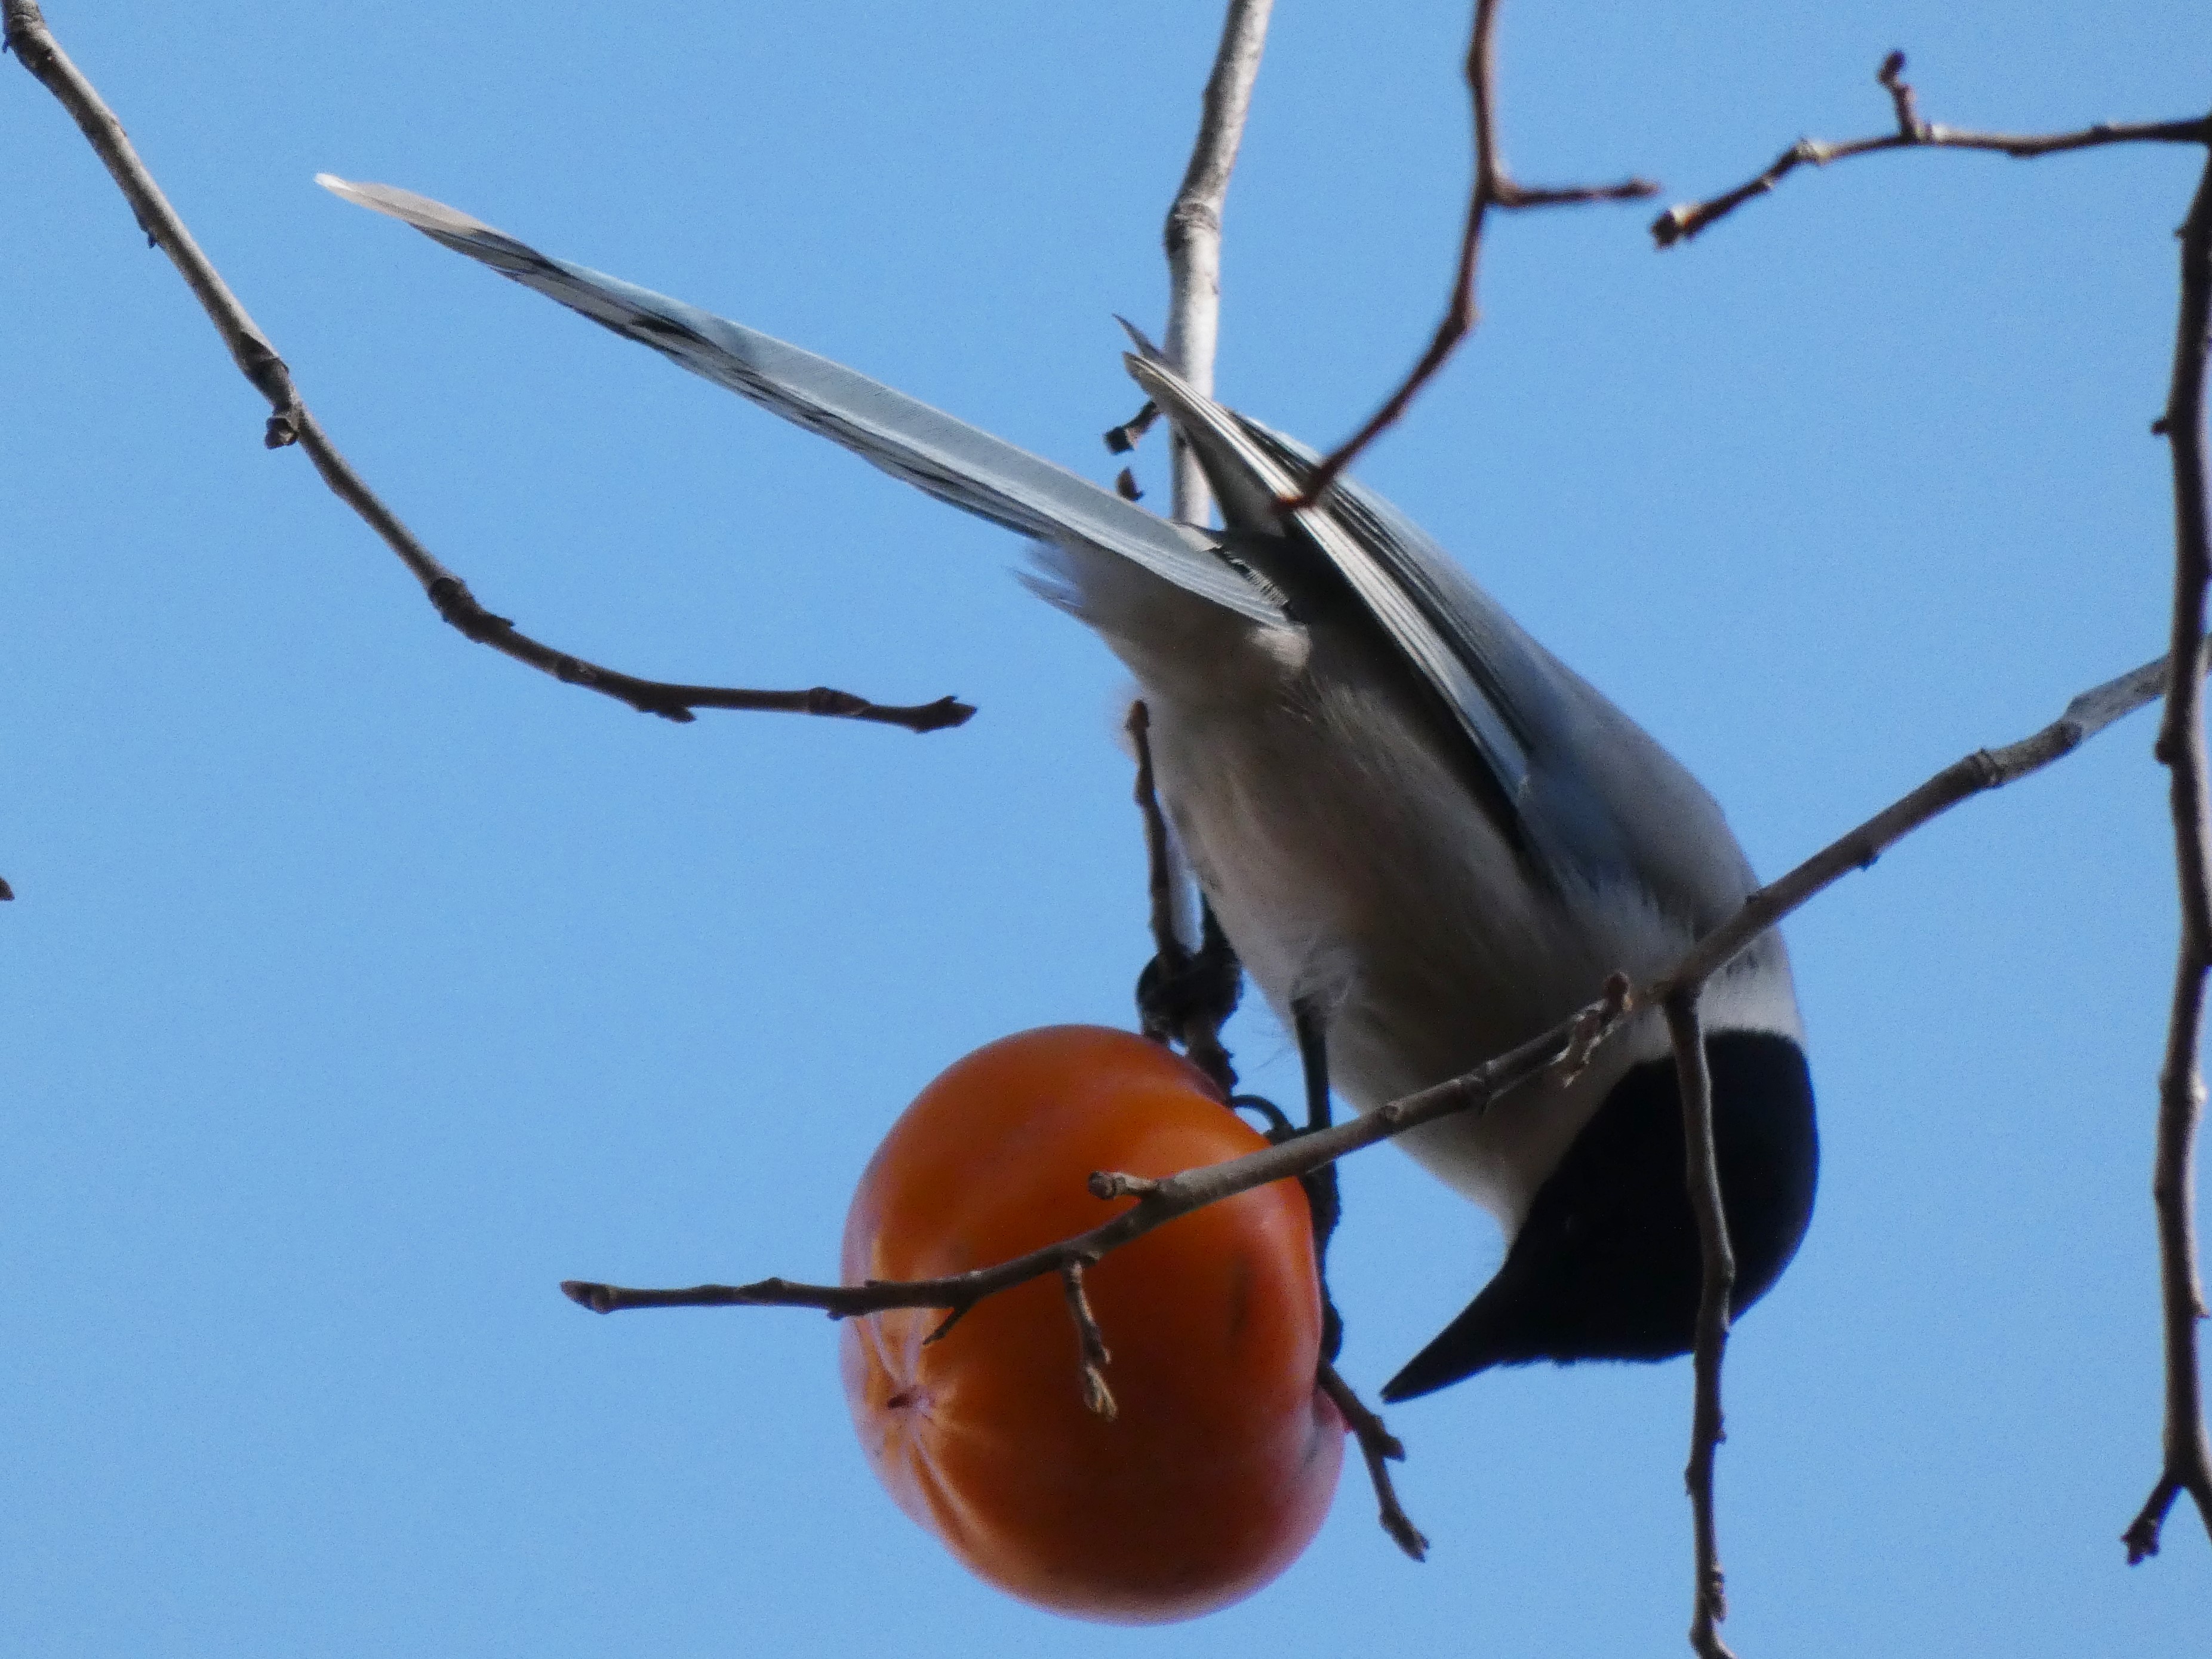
{"points": [[289, 423], [1380, 1449], [1192, 237], [1091, 1342], [1161, 1202], [1493, 188], [1892, 75], [1192, 233], [1717, 1286], [1681, 223], [1984, 770], [1194, 250], [1182, 996], [2187, 1463]]}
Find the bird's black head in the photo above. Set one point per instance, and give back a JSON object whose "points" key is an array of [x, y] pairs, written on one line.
{"points": [[1606, 1265]]}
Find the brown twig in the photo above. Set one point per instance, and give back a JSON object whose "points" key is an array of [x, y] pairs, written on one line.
{"points": [[1091, 1342], [1890, 75], [1493, 188], [2187, 1463], [290, 422], [1380, 1448], [1984, 770], [1717, 1286], [1192, 233], [1158, 1202], [1681, 223]]}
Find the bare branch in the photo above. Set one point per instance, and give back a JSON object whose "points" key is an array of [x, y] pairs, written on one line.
{"points": [[1717, 1286], [289, 423], [1681, 223], [2187, 1463], [1380, 1448], [1157, 1203], [1193, 233], [1107, 1183], [1892, 75], [1984, 770], [1191, 237], [1493, 187], [1091, 1342]]}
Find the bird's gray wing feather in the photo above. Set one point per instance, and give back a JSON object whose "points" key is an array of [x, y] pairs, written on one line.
{"points": [[1255, 478], [952, 460], [1594, 795], [1601, 795]]}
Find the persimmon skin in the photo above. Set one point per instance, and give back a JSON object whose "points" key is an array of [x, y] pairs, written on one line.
{"points": [[1221, 1460]]}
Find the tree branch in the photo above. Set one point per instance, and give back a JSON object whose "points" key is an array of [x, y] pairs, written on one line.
{"points": [[1193, 233], [1200, 989], [1380, 1449], [1702, 1174], [1681, 223], [1159, 1201], [2187, 1464], [1984, 770], [289, 423], [1091, 1342], [1191, 237], [1493, 188]]}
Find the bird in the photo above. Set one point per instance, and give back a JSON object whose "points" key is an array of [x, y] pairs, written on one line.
{"points": [[1425, 837]]}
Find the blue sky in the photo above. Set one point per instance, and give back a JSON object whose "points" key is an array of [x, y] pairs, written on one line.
{"points": [[361, 985]]}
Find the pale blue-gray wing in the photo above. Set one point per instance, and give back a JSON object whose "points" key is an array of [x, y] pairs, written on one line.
{"points": [[1255, 472], [952, 460], [1592, 793]]}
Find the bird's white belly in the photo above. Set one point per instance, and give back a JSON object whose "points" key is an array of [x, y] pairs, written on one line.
{"points": [[1407, 924]]}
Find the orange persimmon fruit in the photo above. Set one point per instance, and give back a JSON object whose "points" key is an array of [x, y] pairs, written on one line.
{"points": [[1218, 1464]]}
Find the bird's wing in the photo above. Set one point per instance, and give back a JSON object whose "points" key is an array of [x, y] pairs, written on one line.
{"points": [[1572, 770], [948, 458], [1460, 643]]}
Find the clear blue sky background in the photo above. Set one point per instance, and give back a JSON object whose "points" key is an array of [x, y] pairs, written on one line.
{"points": [[361, 985]]}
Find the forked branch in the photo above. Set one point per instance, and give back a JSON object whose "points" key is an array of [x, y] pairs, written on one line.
{"points": [[1380, 1449], [290, 422], [2186, 1466], [1494, 187], [1681, 223]]}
